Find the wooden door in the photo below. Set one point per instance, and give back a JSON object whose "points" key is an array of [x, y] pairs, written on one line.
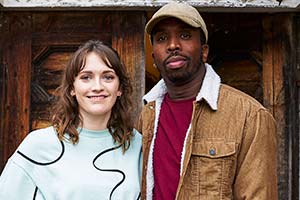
{"points": [[35, 49]]}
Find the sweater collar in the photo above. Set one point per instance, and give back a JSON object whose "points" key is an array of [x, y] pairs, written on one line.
{"points": [[209, 90]]}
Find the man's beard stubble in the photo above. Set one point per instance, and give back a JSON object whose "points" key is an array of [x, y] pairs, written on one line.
{"points": [[183, 75]]}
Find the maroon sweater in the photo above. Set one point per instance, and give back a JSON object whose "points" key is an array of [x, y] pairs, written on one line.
{"points": [[175, 117]]}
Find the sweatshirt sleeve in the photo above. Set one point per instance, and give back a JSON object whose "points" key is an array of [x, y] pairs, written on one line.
{"points": [[15, 183]]}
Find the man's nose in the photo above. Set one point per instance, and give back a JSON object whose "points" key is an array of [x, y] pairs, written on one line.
{"points": [[174, 44]]}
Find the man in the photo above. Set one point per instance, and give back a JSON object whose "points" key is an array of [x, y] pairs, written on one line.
{"points": [[201, 139]]}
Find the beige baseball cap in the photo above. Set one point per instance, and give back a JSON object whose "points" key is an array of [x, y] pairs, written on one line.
{"points": [[182, 11]]}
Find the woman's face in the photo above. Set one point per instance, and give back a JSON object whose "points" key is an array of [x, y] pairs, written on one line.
{"points": [[96, 89]]}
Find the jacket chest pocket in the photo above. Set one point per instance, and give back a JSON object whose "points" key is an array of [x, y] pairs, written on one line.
{"points": [[212, 168]]}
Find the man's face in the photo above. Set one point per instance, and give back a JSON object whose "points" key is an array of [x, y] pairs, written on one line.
{"points": [[177, 50]]}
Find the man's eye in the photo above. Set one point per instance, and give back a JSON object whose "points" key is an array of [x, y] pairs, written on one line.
{"points": [[160, 38], [185, 36]]}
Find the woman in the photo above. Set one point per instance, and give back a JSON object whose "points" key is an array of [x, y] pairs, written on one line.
{"points": [[91, 151]]}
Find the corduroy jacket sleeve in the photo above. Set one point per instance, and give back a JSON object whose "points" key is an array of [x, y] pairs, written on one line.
{"points": [[256, 177], [139, 124]]}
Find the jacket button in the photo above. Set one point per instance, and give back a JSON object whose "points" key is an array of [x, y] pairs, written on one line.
{"points": [[212, 152]]}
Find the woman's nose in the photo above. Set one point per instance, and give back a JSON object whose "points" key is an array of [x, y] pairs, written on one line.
{"points": [[97, 84]]}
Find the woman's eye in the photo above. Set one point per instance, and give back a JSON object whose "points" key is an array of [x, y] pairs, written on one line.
{"points": [[108, 77], [85, 77]]}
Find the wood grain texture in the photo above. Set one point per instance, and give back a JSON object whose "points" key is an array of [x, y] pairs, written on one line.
{"points": [[17, 59]]}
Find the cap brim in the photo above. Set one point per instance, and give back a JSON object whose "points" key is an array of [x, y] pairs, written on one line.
{"points": [[152, 23]]}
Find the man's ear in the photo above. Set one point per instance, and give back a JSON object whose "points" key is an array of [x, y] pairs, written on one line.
{"points": [[154, 65], [205, 50]]}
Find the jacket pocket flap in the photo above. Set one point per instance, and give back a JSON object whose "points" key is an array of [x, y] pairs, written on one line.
{"points": [[214, 149]]}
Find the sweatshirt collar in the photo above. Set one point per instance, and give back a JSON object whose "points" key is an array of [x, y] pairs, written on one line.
{"points": [[209, 90]]}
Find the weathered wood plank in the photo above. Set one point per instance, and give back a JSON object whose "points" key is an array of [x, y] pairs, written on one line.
{"points": [[232, 5], [132, 54], [268, 71], [3, 84], [291, 44], [279, 88], [17, 56]]}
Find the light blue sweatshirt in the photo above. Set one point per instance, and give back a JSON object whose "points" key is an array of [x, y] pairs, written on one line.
{"points": [[45, 168]]}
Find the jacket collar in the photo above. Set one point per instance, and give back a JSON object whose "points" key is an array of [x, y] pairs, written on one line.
{"points": [[209, 90]]}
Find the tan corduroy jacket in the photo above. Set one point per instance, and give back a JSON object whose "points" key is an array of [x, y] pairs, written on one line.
{"points": [[229, 150]]}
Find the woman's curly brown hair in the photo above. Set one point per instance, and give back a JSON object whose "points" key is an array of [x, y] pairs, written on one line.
{"points": [[66, 117]]}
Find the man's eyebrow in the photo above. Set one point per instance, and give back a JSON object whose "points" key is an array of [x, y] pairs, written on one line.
{"points": [[157, 30]]}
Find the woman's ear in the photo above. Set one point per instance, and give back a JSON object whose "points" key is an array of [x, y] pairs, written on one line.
{"points": [[72, 93], [119, 93], [205, 50]]}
